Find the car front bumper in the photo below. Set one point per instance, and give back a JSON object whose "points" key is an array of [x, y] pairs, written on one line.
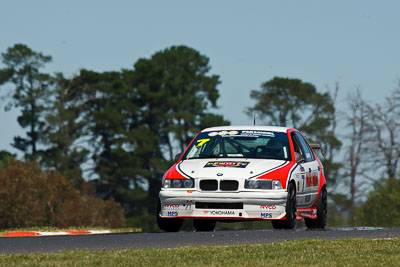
{"points": [[252, 205]]}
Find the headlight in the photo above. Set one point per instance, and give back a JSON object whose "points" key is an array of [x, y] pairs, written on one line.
{"points": [[262, 184], [178, 183], [276, 184]]}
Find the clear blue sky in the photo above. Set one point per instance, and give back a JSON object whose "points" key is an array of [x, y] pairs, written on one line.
{"points": [[248, 42]]}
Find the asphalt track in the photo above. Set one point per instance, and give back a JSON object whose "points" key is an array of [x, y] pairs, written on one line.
{"points": [[26, 245]]}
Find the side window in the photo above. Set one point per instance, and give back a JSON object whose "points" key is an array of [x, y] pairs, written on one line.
{"points": [[296, 145], [308, 155]]}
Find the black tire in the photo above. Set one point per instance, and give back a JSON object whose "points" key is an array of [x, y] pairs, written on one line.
{"points": [[291, 211], [168, 224], [204, 225], [322, 212]]}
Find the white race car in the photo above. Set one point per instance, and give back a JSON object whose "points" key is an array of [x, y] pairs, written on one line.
{"points": [[244, 173]]}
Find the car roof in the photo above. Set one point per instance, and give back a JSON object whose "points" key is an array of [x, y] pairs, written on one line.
{"points": [[250, 128]]}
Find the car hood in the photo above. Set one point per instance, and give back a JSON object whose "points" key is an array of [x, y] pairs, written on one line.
{"points": [[228, 168]]}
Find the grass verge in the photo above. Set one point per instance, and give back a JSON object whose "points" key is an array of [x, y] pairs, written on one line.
{"points": [[348, 252]]}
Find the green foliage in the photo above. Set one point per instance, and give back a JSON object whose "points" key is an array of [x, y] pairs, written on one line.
{"points": [[118, 144], [31, 197], [285, 101], [31, 89], [210, 120], [175, 92], [335, 217], [382, 207], [6, 156], [64, 128]]}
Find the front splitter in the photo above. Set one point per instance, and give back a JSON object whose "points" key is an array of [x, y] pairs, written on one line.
{"points": [[256, 212]]}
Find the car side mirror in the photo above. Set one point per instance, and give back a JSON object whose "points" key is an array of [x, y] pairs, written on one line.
{"points": [[178, 156], [299, 157]]}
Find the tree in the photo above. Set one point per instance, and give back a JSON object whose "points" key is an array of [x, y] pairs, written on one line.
{"points": [[30, 93], [386, 126], [121, 147], [285, 101], [175, 93], [65, 150], [106, 109], [357, 151], [293, 103]]}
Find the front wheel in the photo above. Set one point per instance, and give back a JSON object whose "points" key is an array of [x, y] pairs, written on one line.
{"points": [[291, 211], [204, 225], [322, 212], [168, 225]]}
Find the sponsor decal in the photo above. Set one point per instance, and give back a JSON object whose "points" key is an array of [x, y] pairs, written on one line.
{"points": [[268, 207], [308, 180], [233, 164], [222, 212], [312, 179], [266, 215], [315, 179], [205, 212], [171, 206], [172, 213], [222, 133], [201, 142], [258, 133]]}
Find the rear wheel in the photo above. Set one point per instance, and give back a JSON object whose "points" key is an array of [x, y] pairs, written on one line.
{"points": [[204, 225], [168, 225], [291, 211], [322, 212]]}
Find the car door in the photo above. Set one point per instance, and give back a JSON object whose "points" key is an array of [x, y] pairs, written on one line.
{"points": [[308, 180]]}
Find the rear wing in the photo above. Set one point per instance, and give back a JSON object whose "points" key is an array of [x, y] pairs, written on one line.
{"points": [[315, 146]]}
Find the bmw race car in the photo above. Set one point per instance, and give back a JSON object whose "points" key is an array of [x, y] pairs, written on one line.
{"points": [[244, 173]]}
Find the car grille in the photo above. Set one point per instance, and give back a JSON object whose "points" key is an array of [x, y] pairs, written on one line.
{"points": [[209, 185], [224, 185], [228, 185], [210, 205]]}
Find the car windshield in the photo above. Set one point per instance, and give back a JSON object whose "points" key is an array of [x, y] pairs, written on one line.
{"points": [[240, 144]]}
